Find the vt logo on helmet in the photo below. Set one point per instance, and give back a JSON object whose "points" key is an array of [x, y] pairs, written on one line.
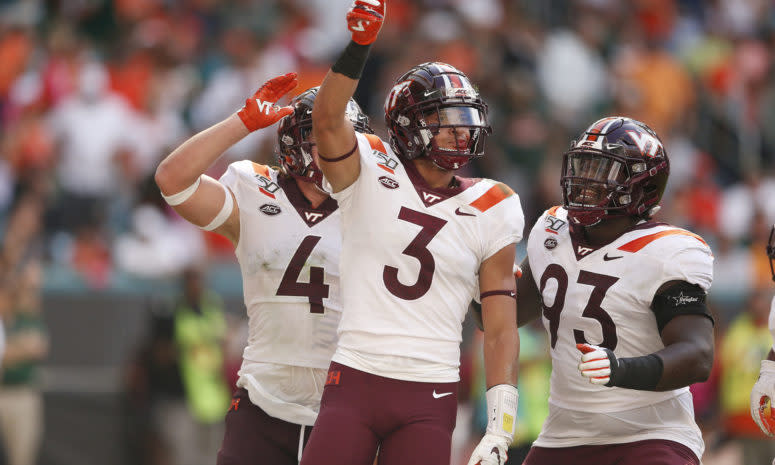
{"points": [[294, 136], [434, 111], [617, 167]]}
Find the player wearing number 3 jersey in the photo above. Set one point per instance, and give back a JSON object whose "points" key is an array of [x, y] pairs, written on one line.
{"points": [[418, 244], [287, 238], [623, 301]]}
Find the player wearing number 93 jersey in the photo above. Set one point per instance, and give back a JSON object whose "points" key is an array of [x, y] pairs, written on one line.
{"points": [[287, 237], [623, 301]]}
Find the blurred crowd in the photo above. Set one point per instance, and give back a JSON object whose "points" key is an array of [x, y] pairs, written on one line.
{"points": [[93, 94]]}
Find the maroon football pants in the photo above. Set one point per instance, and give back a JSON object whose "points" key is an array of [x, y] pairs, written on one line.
{"points": [[410, 422], [252, 436], [648, 452]]}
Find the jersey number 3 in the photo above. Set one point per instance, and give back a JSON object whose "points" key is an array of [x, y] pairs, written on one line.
{"points": [[316, 290], [418, 249]]}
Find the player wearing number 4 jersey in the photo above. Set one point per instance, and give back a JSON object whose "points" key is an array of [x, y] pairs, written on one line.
{"points": [[286, 232], [418, 244], [623, 301]]}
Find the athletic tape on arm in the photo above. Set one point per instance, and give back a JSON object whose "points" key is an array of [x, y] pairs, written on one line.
{"points": [[182, 196], [223, 215], [502, 400]]}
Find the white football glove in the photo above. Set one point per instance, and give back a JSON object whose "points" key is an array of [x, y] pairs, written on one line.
{"points": [[595, 364], [763, 390], [501, 420], [490, 451]]}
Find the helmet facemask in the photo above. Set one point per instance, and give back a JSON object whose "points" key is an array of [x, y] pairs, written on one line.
{"points": [[295, 143], [295, 154], [593, 185], [452, 136]]}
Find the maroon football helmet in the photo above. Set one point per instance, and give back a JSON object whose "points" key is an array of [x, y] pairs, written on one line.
{"points": [[294, 133], [617, 167], [428, 98]]}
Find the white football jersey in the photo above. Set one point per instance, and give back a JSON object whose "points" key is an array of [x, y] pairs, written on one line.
{"points": [[410, 264], [289, 257], [603, 296]]}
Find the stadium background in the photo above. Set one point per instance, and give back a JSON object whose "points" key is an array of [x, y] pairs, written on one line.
{"points": [[94, 93]]}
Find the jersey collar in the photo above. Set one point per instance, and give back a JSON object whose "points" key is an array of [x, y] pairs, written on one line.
{"points": [[311, 216]]}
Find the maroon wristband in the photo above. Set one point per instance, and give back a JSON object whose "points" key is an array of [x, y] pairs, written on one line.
{"points": [[335, 159], [507, 293]]}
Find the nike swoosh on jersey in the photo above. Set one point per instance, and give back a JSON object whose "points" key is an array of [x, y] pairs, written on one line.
{"points": [[608, 259], [441, 394], [462, 213]]}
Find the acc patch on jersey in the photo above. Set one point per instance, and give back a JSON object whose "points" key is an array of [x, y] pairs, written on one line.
{"points": [[270, 209], [389, 183], [550, 243]]}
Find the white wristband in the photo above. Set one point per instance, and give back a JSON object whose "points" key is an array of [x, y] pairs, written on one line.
{"points": [[502, 402], [223, 215], [182, 196]]}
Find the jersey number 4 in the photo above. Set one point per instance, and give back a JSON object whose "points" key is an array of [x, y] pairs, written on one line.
{"points": [[600, 284], [316, 290]]}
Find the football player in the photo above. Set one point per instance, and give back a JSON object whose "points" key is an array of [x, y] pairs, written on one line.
{"points": [[623, 300], [419, 242], [763, 392], [287, 238]]}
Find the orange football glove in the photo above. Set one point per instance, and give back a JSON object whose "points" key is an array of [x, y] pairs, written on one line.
{"points": [[364, 20], [261, 109]]}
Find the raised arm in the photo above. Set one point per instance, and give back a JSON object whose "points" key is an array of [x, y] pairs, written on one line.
{"points": [[501, 350], [333, 132], [199, 198]]}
